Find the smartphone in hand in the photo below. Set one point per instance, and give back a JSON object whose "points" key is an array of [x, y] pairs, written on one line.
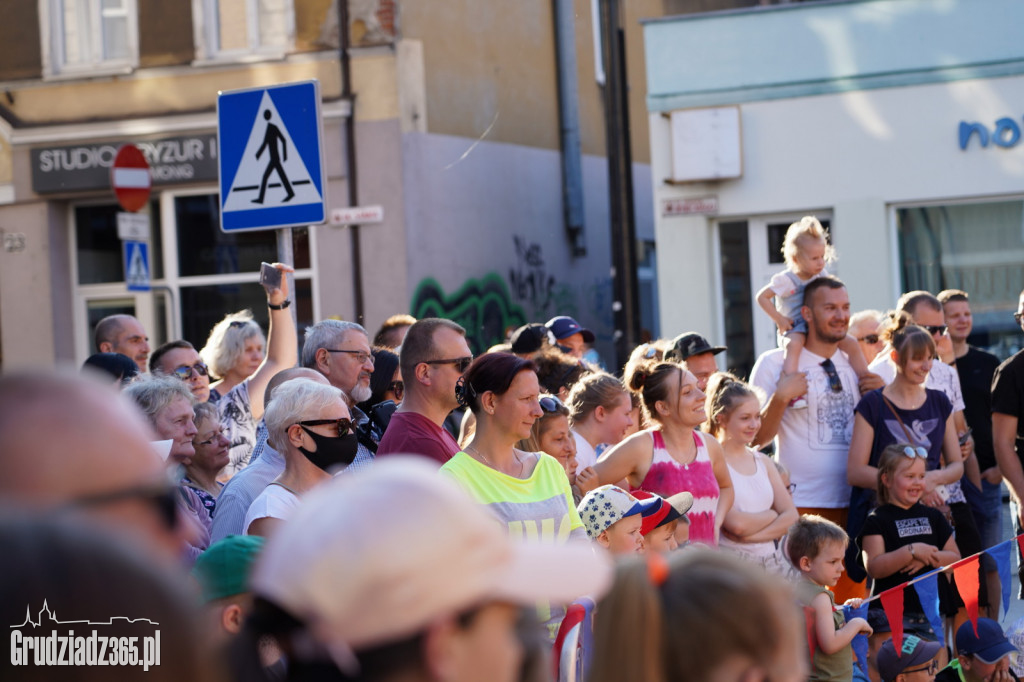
{"points": [[965, 436], [270, 277]]}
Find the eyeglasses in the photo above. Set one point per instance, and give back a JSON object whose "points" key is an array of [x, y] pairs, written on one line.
{"points": [[163, 500], [398, 388], [461, 364], [1018, 316], [915, 452], [214, 436], [931, 668], [833, 376], [361, 355], [344, 425], [184, 372], [550, 404], [936, 329], [869, 339]]}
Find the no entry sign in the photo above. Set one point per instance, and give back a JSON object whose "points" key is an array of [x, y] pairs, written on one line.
{"points": [[130, 178]]}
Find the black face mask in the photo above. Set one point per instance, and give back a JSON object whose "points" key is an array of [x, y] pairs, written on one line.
{"points": [[331, 451]]}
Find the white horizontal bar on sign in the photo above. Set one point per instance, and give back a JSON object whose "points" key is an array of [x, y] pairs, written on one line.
{"points": [[131, 178]]}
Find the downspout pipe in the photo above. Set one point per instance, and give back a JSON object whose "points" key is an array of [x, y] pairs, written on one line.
{"points": [[352, 179], [569, 125]]}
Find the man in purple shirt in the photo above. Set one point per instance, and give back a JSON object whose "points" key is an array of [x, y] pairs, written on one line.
{"points": [[433, 357]]}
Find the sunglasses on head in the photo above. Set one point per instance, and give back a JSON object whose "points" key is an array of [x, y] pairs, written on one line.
{"points": [[184, 372], [236, 324], [870, 339], [915, 452], [550, 404], [461, 364], [398, 388], [344, 425]]}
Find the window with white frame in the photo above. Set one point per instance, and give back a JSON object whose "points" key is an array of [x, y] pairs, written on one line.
{"points": [[89, 36], [236, 29]]}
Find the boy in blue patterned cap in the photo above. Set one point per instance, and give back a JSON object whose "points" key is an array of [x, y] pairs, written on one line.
{"points": [[613, 519]]}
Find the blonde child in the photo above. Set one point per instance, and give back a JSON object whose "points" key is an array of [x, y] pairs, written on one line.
{"points": [[816, 548], [551, 435], [806, 251], [763, 510], [613, 519], [903, 538]]}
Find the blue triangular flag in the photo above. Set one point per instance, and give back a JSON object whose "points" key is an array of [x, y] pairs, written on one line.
{"points": [[928, 593], [860, 642], [1001, 554]]}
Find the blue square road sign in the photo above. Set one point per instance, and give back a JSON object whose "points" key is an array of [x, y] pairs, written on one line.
{"points": [[270, 157]]}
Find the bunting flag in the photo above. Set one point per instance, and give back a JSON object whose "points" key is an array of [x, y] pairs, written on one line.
{"points": [[1001, 554], [809, 625], [965, 572], [928, 594], [892, 604], [860, 642]]}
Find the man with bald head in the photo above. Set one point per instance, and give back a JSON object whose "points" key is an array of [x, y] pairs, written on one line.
{"points": [[72, 445], [265, 465], [125, 335]]}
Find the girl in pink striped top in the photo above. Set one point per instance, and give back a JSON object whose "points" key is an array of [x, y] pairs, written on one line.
{"points": [[673, 457]]}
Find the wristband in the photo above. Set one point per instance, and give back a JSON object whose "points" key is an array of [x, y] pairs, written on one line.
{"points": [[284, 304]]}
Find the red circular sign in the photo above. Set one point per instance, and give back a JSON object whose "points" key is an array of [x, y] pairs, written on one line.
{"points": [[130, 178]]}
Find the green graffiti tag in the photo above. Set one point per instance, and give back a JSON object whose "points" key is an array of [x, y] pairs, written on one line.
{"points": [[483, 306]]}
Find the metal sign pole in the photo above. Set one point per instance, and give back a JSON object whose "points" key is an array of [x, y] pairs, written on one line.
{"points": [[286, 256]]}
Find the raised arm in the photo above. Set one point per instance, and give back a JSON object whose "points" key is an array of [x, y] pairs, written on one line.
{"points": [[282, 344]]}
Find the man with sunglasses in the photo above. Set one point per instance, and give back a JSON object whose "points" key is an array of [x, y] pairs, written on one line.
{"points": [[341, 352], [97, 463], [975, 369], [814, 443], [433, 358]]}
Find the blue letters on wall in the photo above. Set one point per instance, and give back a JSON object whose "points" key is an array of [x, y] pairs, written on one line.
{"points": [[1005, 134]]}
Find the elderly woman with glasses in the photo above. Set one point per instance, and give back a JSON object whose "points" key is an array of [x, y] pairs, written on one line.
{"points": [[528, 491], [231, 354], [310, 425], [211, 456]]}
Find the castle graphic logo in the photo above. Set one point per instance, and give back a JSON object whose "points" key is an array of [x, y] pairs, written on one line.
{"points": [[117, 641]]}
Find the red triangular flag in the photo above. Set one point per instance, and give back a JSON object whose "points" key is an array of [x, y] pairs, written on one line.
{"points": [[812, 638], [892, 604], [966, 575], [1020, 543]]}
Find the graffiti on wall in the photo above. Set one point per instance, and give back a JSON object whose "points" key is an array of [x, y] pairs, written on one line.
{"points": [[483, 306], [487, 307]]}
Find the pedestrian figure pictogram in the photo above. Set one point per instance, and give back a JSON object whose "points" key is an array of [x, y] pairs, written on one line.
{"points": [[270, 140], [271, 160]]}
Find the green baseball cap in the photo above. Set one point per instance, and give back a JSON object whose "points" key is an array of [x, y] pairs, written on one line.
{"points": [[223, 569]]}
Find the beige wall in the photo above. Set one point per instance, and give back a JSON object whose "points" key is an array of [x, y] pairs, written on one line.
{"points": [[27, 335], [495, 62]]}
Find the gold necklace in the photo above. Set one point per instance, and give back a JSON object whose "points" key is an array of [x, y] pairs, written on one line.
{"points": [[522, 465]]}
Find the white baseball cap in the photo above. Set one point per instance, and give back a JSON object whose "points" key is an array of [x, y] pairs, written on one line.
{"points": [[375, 557]]}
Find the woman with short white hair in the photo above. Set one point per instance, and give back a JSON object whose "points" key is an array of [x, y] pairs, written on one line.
{"points": [[310, 425]]}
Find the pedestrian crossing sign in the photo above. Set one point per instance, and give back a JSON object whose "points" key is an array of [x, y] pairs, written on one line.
{"points": [[270, 157], [136, 265]]}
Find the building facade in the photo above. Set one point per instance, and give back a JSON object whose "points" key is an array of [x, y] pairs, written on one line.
{"points": [[457, 136], [897, 122]]}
